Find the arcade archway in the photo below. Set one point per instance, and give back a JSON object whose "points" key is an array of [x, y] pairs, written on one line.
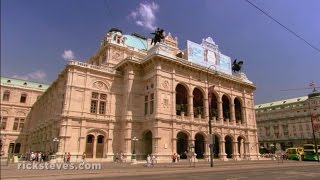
{"points": [[228, 146], [182, 145], [199, 146]]}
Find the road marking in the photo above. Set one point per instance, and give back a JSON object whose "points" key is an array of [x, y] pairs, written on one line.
{"points": [[236, 178]]}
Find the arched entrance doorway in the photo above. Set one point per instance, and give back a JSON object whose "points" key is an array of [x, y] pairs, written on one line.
{"points": [[228, 146], [182, 145], [100, 146], [181, 100], [199, 146], [216, 146], [89, 146], [147, 143]]}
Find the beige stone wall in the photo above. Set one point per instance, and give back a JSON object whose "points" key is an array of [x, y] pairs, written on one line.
{"points": [[289, 124], [68, 116], [15, 109]]}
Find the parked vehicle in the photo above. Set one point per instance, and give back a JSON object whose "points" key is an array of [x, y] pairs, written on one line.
{"points": [[310, 152], [295, 153]]}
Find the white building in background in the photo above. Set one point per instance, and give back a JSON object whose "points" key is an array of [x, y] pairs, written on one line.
{"points": [[287, 122], [158, 94], [17, 98]]}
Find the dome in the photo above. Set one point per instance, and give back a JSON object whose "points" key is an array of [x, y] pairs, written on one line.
{"points": [[136, 42]]}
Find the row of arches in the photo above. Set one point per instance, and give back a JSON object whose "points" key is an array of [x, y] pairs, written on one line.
{"points": [[183, 145], [198, 100], [95, 145]]}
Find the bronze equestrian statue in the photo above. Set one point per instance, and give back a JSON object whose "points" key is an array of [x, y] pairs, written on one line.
{"points": [[236, 66], [158, 36]]}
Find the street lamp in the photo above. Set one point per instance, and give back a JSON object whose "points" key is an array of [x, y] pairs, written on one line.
{"points": [[192, 155], [55, 142], [210, 89], [134, 159]]}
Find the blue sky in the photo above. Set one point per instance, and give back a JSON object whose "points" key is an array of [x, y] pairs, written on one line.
{"points": [[38, 35]]}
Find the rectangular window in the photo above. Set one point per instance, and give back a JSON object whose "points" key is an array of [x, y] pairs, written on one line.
{"points": [[3, 122], [145, 105], [6, 96], [94, 104], [151, 103], [95, 95], [102, 107], [23, 98], [98, 103], [103, 96], [16, 124], [21, 124]]}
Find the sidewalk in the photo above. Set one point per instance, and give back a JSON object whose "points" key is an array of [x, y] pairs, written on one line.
{"points": [[125, 169]]}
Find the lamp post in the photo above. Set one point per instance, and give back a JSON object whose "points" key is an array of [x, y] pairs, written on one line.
{"points": [[192, 155], [55, 141], [210, 89], [134, 159]]}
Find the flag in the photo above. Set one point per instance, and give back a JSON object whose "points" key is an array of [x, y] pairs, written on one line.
{"points": [[314, 120], [311, 84]]}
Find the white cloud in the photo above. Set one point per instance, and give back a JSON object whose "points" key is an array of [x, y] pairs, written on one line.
{"points": [[144, 15], [68, 55], [38, 75]]}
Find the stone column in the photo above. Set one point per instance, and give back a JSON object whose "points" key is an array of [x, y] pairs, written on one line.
{"points": [[232, 114], [246, 150], [206, 108], [235, 155], [109, 150], [222, 154], [174, 145], [220, 111], [190, 106], [241, 149], [94, 146]]}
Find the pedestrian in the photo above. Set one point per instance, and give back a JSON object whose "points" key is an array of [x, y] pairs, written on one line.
{"points": [[68, 157], [153, 160], [174, 157], [148, 160], [178, 157], [65, 157], [83, 157]]}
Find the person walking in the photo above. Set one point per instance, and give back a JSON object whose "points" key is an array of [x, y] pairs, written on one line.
{"points": [[83, 157], [68, 157], [148, 160]]}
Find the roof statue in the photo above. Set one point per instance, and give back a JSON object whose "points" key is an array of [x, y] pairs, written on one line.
{"points": [[158, 36], [236, 66]]}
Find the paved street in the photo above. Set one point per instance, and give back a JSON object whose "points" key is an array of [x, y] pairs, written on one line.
{"points": [[221, 170]]}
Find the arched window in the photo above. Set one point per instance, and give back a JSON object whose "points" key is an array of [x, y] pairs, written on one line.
{"points": [[6, 96]]}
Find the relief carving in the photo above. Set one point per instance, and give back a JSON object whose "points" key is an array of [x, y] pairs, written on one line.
{"points": [[165, 84], [100, 85], [21, 113]]}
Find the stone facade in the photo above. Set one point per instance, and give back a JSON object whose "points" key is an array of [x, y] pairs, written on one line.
{"points": [[131, 89], [286, 122], [17, 98]]}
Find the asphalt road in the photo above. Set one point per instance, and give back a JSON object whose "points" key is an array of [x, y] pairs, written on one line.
{"points": [[283, 173]]}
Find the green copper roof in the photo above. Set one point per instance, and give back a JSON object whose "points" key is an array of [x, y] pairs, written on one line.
{"points": [[281, 102], [136, 42], [23, 83]]}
